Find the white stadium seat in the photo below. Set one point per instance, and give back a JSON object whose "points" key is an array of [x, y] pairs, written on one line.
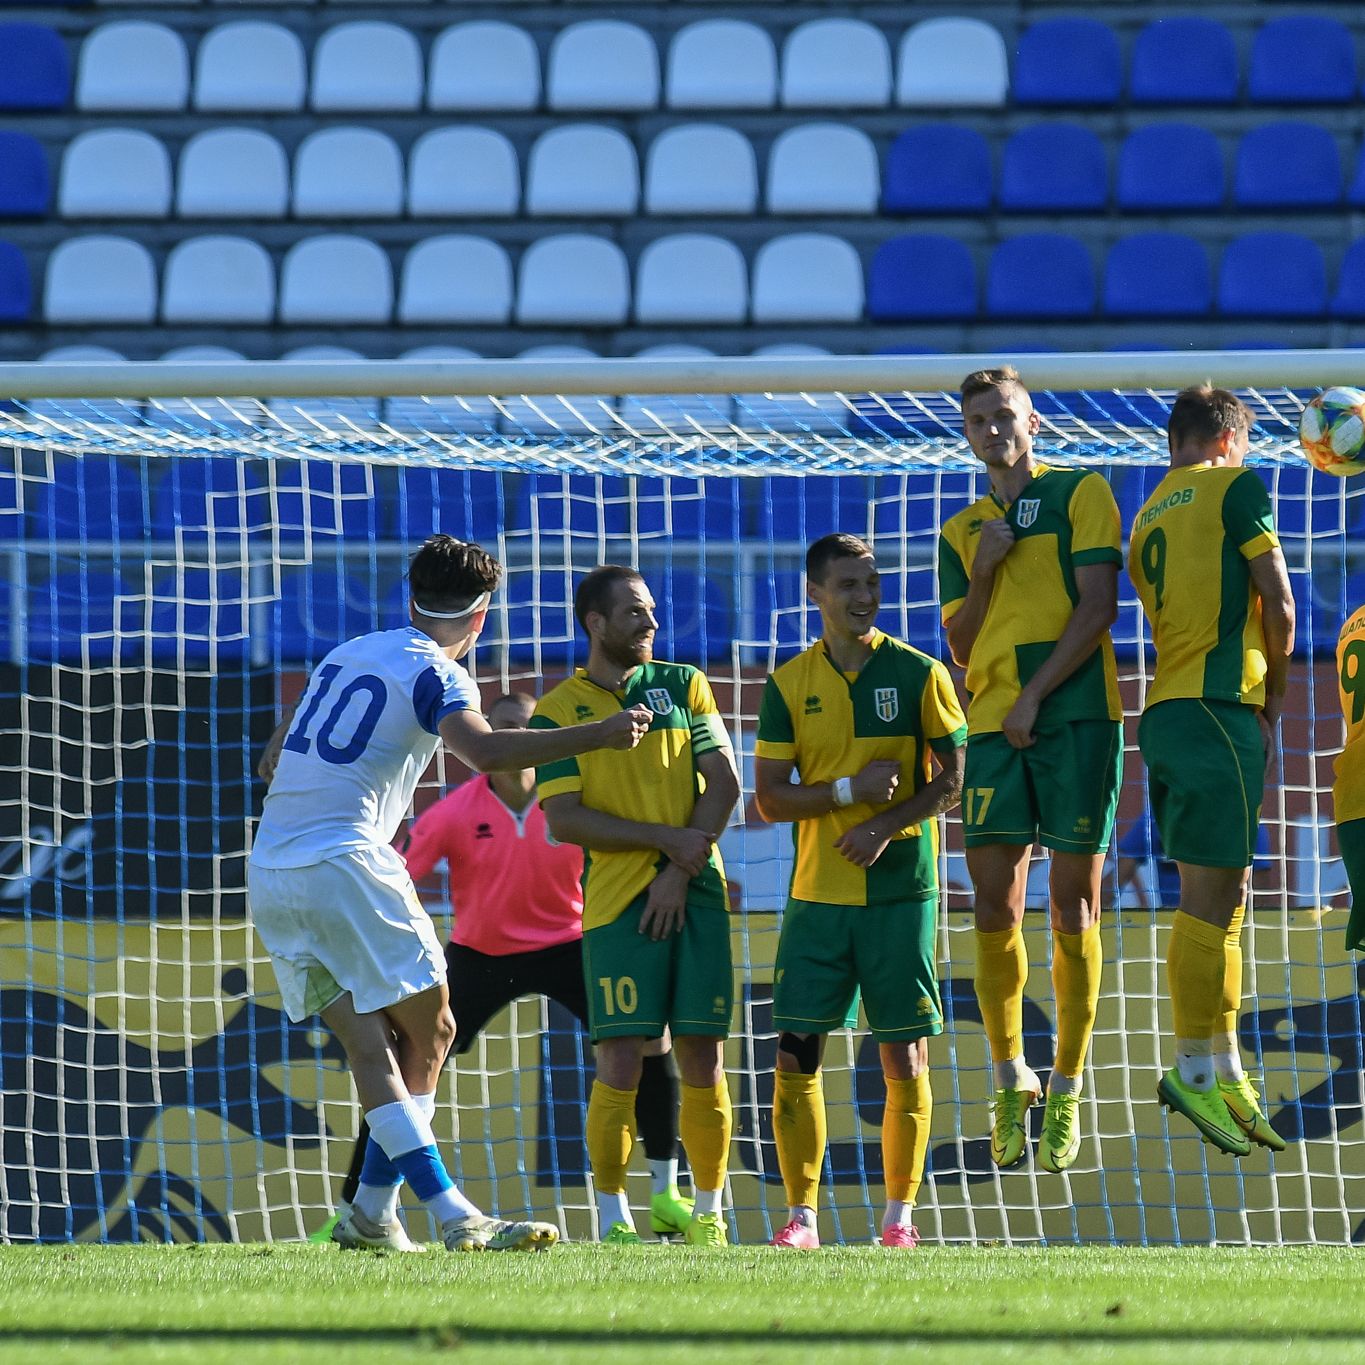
{"points": [[701, 168], [573, 278], [456, 278], [197, 411], [823, 168], [582, 169], [721, 64], [250, 66], [807, 277], [218, 279], [463, 172], [691, 277], [86, 409], [441, 414], [100, 279], [132, 64], [602, 64], [546, 414], [114, 173], [366, 65], [348, 173], [791, 411], [484, 64], [953, 63], [336, 278], [836, 64], [232, 173], [676, 412], [333, 412]]}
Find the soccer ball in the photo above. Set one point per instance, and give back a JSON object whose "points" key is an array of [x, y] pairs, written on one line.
{"points": [[1332, 431]]}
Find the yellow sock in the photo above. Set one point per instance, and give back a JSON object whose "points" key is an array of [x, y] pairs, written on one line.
{"points": [[704, 1125], [1195, 968], [905, 1135], [611, 1130], [1226, 1026], [1001, 971], [799, 1128], [1077, 962]]}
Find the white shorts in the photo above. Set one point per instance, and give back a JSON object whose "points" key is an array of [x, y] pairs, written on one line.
{"points": [[352, 923]]}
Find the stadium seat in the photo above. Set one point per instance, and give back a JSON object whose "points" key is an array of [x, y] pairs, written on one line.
{"points": [[466, 504], [92, 500], [701, 168], [793, 412], [1184, 59], [314, 498], [1157, 274], [232, 173], [217, 279], [921, 277], [463, 172], [581, 504], [909, 607], [694, 615], [366, 65], [548, 414], [721, 64], [952, 63], [335, 278], [1170, 168], [25, 185], [333, 412], [1068, 61], [798, 509], [348, 173], [937, 168], [827, 168], [1349, 299], [201, 499], [114, 173], [133, 64], [99, 279], [456, 278], [16, 287], [676, 509], [836, 64], [573, 278], [1040, 275], [1287, 166], [691, 277], [1054, 167], [602, 64], [784, 618], [912, 505], [1272, 275], [249, 66], [443, 414], [807, 277], [483, 64], [115, 411], [196, 411], [319, 606], [201, 618], [85, 616], [582, 170], [682, 413], [35, 72], [1303, 59]]}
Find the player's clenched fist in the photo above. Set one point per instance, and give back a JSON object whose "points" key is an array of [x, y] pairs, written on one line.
{"points": [[877, 782], [996, 538], [627, 728]]}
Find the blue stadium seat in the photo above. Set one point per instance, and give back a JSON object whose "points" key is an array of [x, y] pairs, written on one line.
{"points": [[1068, 61], [781, 612], [711, 509], [802, 509], [1272, 275], [25, 185], [1156, 275], [201, 617], [1054, 166], [916, 505], [1349, 299], [937, 168], [1170, 167], [1040, 275], [696, 625], [466, 504], [1287, 166], [591, 507], [16, 288], [1183, 60], [319, 606], [1303, 59], [539, 613], [921, 277], [198, 499], [93, 498], [910, 605], [322, 498], [72, 617], [35, 71]]}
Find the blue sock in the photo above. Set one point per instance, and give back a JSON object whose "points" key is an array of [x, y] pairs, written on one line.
{"points": [[377, 1169], [424, 1170]]}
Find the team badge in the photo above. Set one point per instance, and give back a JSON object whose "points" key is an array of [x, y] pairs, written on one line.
{"points": [[659, 700], [888, 704], [1027, 511]]}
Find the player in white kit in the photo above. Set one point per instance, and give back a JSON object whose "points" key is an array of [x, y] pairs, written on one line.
{"points": [[333, 902]]}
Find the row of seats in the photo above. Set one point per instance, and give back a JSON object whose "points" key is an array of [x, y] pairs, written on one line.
{"points": [[576, 279], [589, 170], [710, 64]]}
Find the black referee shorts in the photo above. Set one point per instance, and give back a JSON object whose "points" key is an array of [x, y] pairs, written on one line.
{"points": [[480, 984]]}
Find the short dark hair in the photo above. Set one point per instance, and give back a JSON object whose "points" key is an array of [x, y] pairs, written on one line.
{"points": [[836, 545], [448, 574], [982, 381], [1202, 413], [597, 591]]}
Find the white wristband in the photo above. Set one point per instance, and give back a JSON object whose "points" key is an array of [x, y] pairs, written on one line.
{"points": [[843, 791]]}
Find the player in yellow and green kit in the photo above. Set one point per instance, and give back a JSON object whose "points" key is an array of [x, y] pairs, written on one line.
{"points": [[863, 719], [1348, 789], [1028, 588], [1208, 568], [656, 924]]}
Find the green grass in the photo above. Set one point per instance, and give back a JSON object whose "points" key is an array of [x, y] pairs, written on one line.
{"points": [[251, 1305]]}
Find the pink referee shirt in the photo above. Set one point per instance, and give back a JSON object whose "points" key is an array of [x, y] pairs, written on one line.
{"points": [[511, 889]]}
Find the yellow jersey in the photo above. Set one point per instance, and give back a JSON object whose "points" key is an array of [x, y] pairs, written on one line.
{"points": [[1348, 791]]}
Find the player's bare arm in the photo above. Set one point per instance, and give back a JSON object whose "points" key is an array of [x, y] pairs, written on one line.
{"points": [[778, 798], [997, 539], [866, 841], [475, 743], [572, 822], [270, 756], [1271, 579]]}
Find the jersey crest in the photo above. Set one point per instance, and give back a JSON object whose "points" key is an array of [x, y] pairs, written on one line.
{"points": [[659, 699], [888, 701], [1026, 511]]}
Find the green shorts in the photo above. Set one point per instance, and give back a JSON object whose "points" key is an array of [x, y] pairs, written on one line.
{"points": [[637, 986], [827, 952], [1061, 792], [1205, 778], [1351, 842]]}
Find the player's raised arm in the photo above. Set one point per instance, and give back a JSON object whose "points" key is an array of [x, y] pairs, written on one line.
{"points": [[474, 742]]}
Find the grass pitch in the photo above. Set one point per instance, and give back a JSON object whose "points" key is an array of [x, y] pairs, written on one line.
{"points": [[249, 1305]]}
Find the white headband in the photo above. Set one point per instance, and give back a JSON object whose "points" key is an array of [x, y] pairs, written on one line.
{"points": [[481, 601]]}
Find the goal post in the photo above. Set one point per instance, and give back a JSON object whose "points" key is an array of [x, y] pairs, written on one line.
{"points": [[172, 565]]}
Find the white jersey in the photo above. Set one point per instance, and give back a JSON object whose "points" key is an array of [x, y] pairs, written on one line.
{"points": [[363, 733]]}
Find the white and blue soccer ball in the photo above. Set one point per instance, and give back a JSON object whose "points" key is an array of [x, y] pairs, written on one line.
{"points": [[1332, 431]]}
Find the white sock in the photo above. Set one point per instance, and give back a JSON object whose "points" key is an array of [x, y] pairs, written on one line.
{"points": [[708, 1201], [379, 1203], [1057, 1084], [426, 1105], [1194, 1061], [663, 1175], [402, 1127], [1010, 1074], [803, 1214], [613, 1208], [897, 1212], [1227, 1061]]}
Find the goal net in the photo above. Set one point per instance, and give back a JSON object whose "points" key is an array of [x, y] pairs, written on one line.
{"points": [[172, 566]]}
